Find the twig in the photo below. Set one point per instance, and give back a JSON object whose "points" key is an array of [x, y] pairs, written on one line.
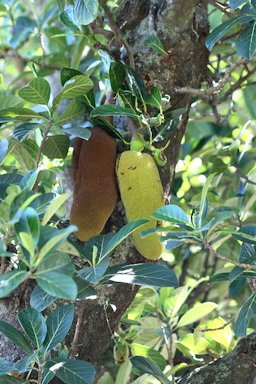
{"points": [[237, 84], [221, 6], [236, 263], [211, 90], [246, 178], [217, 328], [79, 322], [117, 33]]}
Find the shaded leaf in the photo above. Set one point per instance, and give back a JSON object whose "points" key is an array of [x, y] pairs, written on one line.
{"points": [[33, 324], [56, 147], [74, 371], [40, 300], [147, 365], [142, 274], [247, 311], [58, 324], [57, 284], [15, 336], [11, 280]]}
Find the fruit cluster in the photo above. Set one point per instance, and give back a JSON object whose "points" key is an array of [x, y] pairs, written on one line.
{"points": [[95, 190]]}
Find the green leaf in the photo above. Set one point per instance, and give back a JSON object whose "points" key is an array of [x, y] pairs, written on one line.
{"points": [[154, 98], [42, 202], [38, 91], [58, 324], [40, 300], [29, 179], [22, 30], [23, 130], [171, 213], [29, 222], [60, 262], [156, 44], [54, 206], [112, 110], [17, 113], [11, 380], [149, 366], [74, 371], [57, 284], [142, 274], [77, 86], [204, 201], [6, 367], [15, 336], [67, 73], [67, 18], [117, 74], [118, 237], [10, 281], [234, 4], [144, 350], [246, 43], [4, 144], [56, 147], [73, 111], [54, 242], [93, 274], [196, 313], [247, 311], [85, 11], [81, 132], [33, 324], [221, 31]]}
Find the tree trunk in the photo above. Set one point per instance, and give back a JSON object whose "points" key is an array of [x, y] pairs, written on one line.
{"points": [[238, 367]]}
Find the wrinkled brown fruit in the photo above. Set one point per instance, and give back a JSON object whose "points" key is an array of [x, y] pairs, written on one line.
{"points": [[95, 191]]}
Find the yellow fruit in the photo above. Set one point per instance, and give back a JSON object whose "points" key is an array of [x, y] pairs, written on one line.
{"points": [[95, 191], [142, 193]]}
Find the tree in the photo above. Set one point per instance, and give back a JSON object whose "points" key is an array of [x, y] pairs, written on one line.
{"points": [[143, 73]]}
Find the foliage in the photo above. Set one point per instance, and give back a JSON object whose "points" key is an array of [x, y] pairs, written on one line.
{"points": [[208, 229]]}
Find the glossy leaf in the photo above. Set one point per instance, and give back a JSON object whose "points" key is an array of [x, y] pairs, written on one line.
{"points": [[73, 111], [246, 43], [117, 74], [40, 300], [54, 206], [56, 147], [196, 313], [221, 31], [33, 324], [85, 11], [4, 144], [74, 371], [171, 213], [142, 274], [17, 113], [113, 110], [23, 130], [147, 365], [58, 324], [247, 311], [77, 86], [57, 284], [15, 336], [10, 281], [38, 91]]}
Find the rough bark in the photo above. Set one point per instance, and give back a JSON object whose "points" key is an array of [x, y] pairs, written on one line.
{"points": [[238, 367]]}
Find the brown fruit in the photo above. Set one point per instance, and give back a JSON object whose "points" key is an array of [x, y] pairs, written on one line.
{"points": [[95, 191]]}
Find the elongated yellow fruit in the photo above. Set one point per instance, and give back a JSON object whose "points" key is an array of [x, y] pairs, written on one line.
{"points": [[142, 193]]}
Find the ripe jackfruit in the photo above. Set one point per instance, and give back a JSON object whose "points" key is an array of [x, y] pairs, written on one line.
{"points": [[95, 190], [142, 193]]}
